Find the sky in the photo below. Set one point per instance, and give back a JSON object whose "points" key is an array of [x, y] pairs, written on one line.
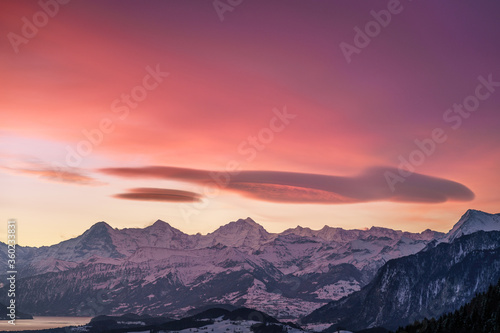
{"points": [[350, 114]]}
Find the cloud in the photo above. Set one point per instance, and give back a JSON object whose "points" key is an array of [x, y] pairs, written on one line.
{"points": [[287, 194], [293, 187], [161, 172], [54, 173], [159, 194]]}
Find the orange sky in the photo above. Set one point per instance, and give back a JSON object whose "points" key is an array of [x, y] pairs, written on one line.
{"points": [[128, 112]]}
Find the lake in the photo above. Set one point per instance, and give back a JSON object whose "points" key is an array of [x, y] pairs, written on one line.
{"points": [[38, 323]]}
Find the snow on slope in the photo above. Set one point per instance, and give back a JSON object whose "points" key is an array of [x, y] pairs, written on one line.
{"points": [[275, 304], [472, 221], [160, 235], [242, 234], [337, 290], [224, 326]]}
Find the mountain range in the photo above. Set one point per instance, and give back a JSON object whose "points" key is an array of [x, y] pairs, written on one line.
{"points": [[159, 270], [448, 273]]}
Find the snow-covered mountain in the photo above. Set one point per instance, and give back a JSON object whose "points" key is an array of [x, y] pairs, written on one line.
{"points": [[440, 278], [427, 284], [472, 221], [161, 270]]}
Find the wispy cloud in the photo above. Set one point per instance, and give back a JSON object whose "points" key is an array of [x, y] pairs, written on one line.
{"points": [[34, 167], [293, 187]]}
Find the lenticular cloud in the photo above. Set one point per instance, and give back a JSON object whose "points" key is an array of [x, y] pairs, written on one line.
{"points": [[293, 187]]}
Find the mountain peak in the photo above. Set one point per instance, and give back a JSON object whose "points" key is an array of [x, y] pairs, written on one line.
{"points": [[474, 220], [103, 223], [243, 232], [101, 226], [299, 231], [475, 211], [100, 230], [246, 224], [248, 221], [161, 227], [160, 224]]}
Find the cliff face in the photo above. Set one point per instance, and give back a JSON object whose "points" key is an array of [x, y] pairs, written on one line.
{"points": [[427, 284]]}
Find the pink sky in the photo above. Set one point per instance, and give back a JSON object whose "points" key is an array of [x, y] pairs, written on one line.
{"points": [[224, 104]]}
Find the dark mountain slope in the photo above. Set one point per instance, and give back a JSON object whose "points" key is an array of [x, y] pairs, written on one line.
{"points": [[426, 284]]}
